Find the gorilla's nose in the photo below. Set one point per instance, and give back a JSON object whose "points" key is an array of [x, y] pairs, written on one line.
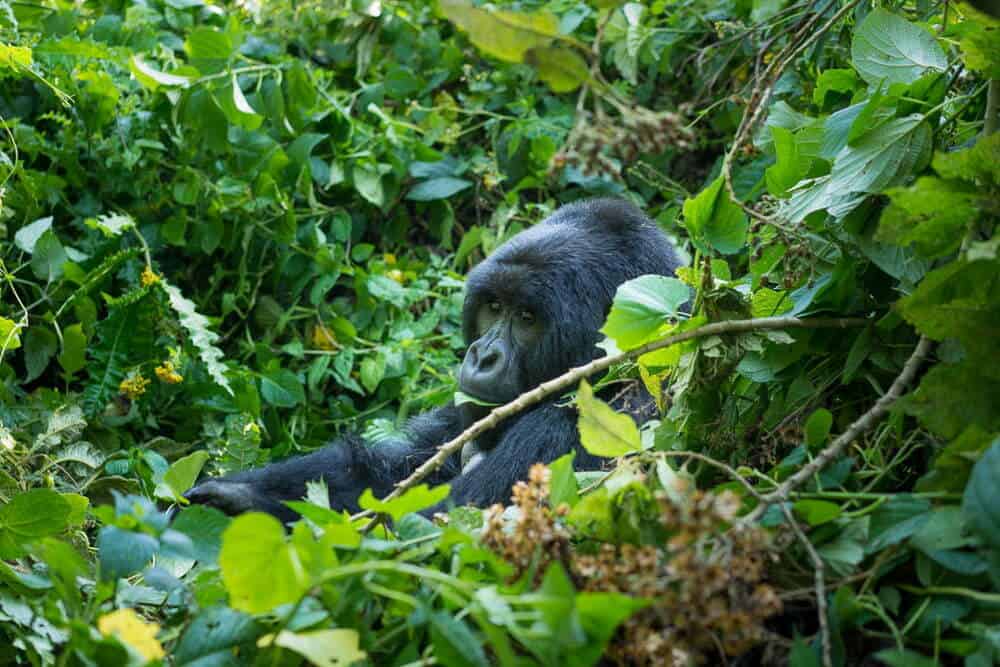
{"points": [[485, 369]]}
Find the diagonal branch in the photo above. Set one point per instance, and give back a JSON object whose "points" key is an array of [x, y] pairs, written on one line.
{"points": [[573, 376]]}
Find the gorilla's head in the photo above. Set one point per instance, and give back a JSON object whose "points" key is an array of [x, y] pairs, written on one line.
{"points": [[533, 308]]}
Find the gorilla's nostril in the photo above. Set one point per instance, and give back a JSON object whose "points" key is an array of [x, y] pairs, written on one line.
{"points": [[489, 360]]}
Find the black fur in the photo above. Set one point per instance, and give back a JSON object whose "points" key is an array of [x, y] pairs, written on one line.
{"points": [[567, 269]]}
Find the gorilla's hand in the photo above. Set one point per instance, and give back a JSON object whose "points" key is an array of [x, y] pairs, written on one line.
{"points": [[231, 497]]}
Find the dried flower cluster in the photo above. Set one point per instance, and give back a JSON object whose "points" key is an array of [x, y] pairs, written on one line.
{"points": [[537, 538], [705, 582], [597, 139]]}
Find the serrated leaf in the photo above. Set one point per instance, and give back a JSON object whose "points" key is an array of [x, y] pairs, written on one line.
{"points": [[113, 224], [200, 335], [418, 498], [604, 432], [502, 34], [642, 306], [889, 48]]}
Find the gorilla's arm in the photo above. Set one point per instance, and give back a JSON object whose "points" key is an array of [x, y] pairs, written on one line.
{"points": [[539, 436], [348, 466]]}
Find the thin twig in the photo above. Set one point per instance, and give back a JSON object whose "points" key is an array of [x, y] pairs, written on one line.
{"points": [[819, 584], [573, 376], [863, 424]]}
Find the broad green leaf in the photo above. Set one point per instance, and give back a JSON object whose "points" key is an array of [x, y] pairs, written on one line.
{"points": [[953, 397], [959, 300], [212, 636], [152, 78], [209, 49], [281, 387], [896, 520], [40, 345], [769, 303], [887, 47], [323, 648], [979, 164], [715, 221], [817, 428], [121, 553], [73, 357], [642, 306], [980, 46], [260, 569], [204, 526], [368, 183], [881, 158], [27, 236], [834, 80], [235, 106], [560, 67], [201, 336], [897, 657], [563, 484], [981, 500], [789, 168], [10, 334], [604, 432], [933, 215], [416, 499], [48, 258], [76, 48], [437, 188], [817, 512], [182, 474], [502, 34], [29, 516]]}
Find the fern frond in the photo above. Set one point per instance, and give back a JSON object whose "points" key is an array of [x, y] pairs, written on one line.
{"points": [[201, 336]]}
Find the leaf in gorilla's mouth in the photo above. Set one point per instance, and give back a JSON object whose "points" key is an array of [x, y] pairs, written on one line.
{"points": [[461, 398]]}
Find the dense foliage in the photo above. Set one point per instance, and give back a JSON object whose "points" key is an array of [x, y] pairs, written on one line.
{"points": [[230, 231]]}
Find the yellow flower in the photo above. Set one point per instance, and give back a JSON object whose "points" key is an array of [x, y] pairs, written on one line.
{"points": [[133, 386], [167, 372], [126, 625], [148, 277], [396, 275]]}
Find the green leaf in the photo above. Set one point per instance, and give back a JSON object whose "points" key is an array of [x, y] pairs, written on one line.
{"points": [[817, 428], [48, 258], [259, 568], [834, 80], [455, 645], [642, 306], [561, 68], [416, 499], [152, 78], [896, 520], [901, 657], [368, 183], [979, 164], [40, 345], [236, 108], [10, 334], [16, 58], [201, 336], [73, 357], [790, 168], [981, 500], [980, 46], [212, 636], [438, 188], [29, 516], [889, 48], [205, 526], [27, 236], [121, 553], [563, 484], [952, 397], [959, 300], [323, 648], [113, 224], [881, 158], [715, 221], [933, 215], [181, 475], [502, 34], [817, 512], [281, 387], [604, 432], [209, 49], [461, 398]]}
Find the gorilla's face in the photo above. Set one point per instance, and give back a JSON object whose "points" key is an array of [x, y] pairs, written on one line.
{"points": [[504, 331]]}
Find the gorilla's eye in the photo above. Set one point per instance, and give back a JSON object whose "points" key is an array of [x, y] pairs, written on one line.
{"points": [[495, 307], [527, 317]]}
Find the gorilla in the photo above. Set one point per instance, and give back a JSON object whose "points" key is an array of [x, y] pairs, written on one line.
{"points": [[532, 311]]}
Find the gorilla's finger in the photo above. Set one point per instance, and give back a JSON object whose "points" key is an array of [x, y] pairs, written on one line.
{"points": [[230, 497]]}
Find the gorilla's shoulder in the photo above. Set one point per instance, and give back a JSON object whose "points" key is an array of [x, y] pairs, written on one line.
{"points": [[607, 215]]}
